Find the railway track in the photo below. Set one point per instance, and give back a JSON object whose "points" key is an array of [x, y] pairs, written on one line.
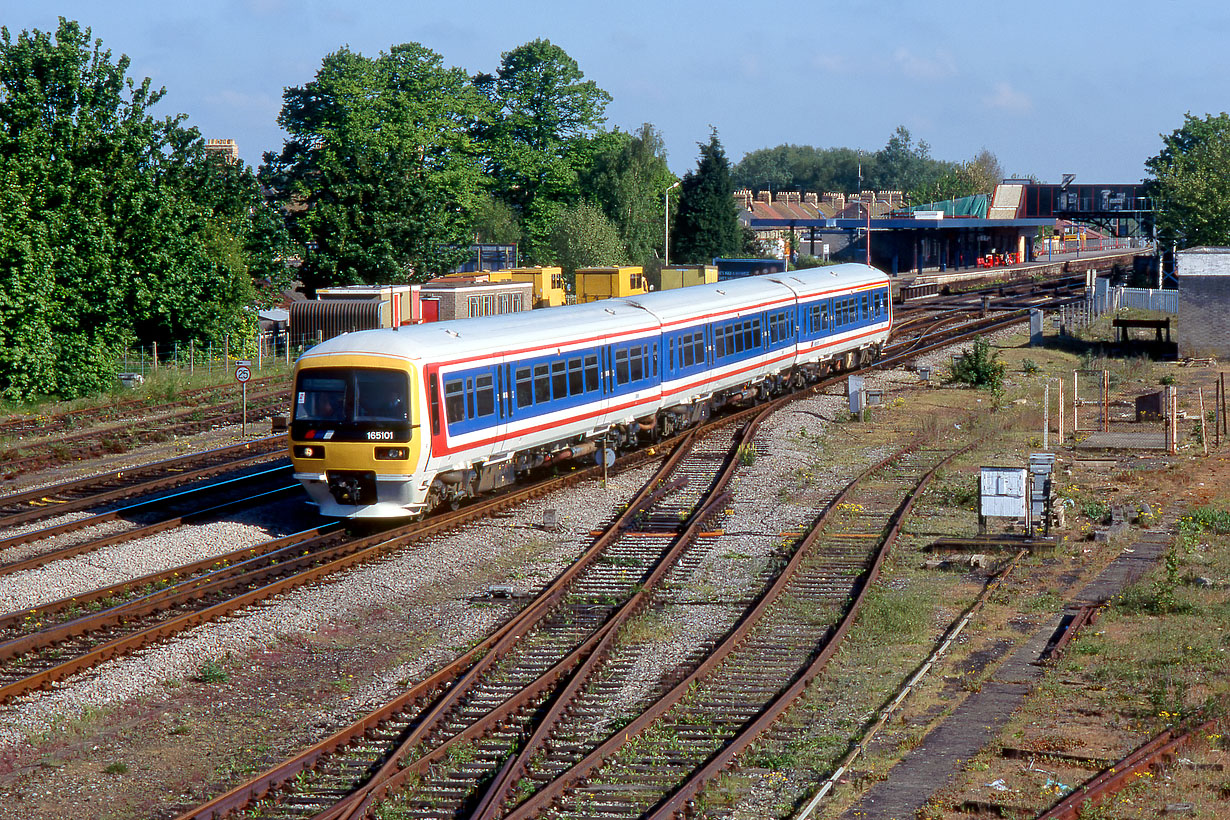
{"points": [[200, 502], [85, 493], [516, 668], [649, 518], [661, 757]]}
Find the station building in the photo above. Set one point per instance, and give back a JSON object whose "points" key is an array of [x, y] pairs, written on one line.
{"points": [[955, 234]]}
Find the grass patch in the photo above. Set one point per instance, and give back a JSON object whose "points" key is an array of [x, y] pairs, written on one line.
{"points": [[896, 615], [213, 671]]}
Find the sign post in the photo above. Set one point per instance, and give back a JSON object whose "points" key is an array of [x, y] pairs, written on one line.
{"points": [[243, 372]]}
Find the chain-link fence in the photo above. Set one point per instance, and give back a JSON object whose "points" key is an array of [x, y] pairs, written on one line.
{"points": [[268, 350]]}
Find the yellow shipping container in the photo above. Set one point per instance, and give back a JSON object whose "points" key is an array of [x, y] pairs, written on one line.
{"points": [[606, 283]]}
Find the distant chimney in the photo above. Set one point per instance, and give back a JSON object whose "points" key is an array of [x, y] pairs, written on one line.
{"points": [[764, 196], [226, 149], [743, 198], [812, 199]]}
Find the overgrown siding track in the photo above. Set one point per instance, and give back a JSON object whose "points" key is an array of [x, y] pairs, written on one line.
{"points": [[93, 443]]}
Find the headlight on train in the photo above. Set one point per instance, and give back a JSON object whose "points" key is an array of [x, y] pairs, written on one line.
{"points": [[392, 453], [309, 451]]}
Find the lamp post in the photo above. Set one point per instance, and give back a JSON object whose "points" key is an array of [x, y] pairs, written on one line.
{"points": [[666, 233]]}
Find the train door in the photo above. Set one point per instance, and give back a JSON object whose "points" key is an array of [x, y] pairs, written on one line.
{"points": [[505, 404]]}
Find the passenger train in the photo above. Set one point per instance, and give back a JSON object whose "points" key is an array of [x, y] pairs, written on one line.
{"points": [[391, 423]]}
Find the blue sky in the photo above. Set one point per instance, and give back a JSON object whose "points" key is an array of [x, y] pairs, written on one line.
{"points": [[1049, 87]]}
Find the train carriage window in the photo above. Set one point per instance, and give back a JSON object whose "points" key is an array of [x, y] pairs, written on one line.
{"points": [[637, 362], [621, 366], [863, 306], [824, 316], [576, 377], [670, 353], [719, 343], [653, 361], [454, 400], [698, 346], [559, 379], [688, 351], [749, 336], [542, 384], [484, 396], [593, 377], [525, 387]]}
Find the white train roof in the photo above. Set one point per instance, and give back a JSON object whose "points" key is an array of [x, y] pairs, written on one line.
{"points": [[816, 281], [574, 324], [754, 292]]}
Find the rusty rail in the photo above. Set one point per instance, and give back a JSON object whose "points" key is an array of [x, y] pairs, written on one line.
{"points": [[67, 496], [1118, 777]]}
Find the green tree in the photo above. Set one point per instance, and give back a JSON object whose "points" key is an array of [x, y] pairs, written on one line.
{"points": [[979, 175], [628, 180], [583, 237], [544, 130], [1190, 182], [117, 226], [495, 222], [707, 222], [903, 165], [804, 168], [381, 174]]}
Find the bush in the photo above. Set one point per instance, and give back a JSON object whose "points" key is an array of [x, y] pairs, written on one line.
{"points": [[978, 367]]}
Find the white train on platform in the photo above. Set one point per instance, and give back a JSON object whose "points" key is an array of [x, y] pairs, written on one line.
{"points": [[391, 423]]}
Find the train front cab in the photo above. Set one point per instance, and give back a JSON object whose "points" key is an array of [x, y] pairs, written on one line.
{"points": [[356, 437]]}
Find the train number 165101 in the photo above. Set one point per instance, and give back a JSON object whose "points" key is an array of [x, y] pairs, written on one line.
{"points": [[380, 435]]}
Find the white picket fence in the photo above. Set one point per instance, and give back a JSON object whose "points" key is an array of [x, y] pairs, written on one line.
{"points": [[1107, 298]]}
